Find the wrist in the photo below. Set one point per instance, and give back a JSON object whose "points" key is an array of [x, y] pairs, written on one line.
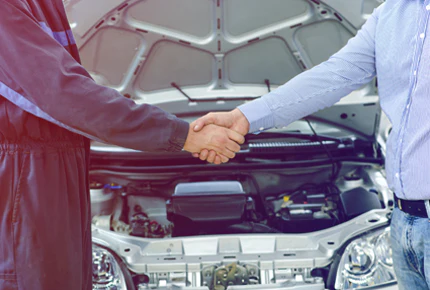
{"points": [[240, 118], [260, 116], [179, 135], [188, 141]]}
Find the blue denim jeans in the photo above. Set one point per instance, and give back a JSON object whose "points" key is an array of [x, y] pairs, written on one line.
{"points": [[410, 238]]}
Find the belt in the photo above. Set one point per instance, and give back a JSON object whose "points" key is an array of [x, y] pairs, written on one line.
{"points": [[412, 207]]}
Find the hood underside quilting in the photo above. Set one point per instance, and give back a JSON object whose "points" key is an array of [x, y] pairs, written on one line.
{"points": [[210, 48]]}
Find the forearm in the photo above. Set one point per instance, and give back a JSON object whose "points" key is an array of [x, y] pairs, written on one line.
{"points": [[310, 92], [40, 76], [104, 114], [319, 87]]}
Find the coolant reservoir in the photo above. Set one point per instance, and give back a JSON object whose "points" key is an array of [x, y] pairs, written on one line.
{"points": [[102, 198]]}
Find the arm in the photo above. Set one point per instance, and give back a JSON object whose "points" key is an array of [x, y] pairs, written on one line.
{"points": [[41, 77], [313, 90], [319, 87]]}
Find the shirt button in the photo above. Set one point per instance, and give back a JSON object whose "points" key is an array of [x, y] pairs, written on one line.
{"points": [[428, 7], [415, 72], [262, 128], [397, 175], [422, 35], [407, 107]]}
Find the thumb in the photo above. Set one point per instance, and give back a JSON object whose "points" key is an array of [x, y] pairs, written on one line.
{"points": [[203, 121]]}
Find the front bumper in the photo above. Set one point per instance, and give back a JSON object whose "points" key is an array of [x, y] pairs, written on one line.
{"points": [[283, 261]]}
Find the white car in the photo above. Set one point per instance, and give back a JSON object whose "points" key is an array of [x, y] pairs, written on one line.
{"points": [[306, 206]]}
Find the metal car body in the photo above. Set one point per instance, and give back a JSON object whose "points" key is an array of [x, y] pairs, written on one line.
{"points": [[168, 221]]}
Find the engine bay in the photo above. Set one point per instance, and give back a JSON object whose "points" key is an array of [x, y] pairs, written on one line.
{"points": [[298, 200]]}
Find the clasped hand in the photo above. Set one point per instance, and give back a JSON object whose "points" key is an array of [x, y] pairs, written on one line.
{"points": [[216, 137]]}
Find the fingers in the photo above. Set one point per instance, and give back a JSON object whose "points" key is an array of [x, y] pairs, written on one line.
{"points": [[203, 121], [217, 160], [227, 153], [223, 148], [212, 137], [232, 146], [204, 154], [211, 157], [223, 158], [236, 137], [224, 141]]}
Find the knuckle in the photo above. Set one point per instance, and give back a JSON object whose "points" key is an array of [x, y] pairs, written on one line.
{"points": [[210, 117]]}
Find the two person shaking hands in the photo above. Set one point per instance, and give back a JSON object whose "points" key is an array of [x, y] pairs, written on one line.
{"points": [[223, 132]]}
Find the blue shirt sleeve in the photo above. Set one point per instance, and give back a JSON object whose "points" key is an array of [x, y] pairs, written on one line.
{"points": [[320, 87]]}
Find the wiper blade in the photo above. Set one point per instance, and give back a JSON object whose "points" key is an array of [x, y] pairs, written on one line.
{"points": [[267, 82]]}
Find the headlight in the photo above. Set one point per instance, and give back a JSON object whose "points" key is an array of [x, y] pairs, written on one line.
{"points": [[107, 274], [366, 262]]}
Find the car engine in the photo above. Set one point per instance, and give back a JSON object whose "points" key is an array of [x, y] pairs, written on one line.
{"points": [[221, 230], [217, 207]]}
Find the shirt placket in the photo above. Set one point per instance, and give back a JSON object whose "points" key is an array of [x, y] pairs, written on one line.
{"points": [[422, 28]]}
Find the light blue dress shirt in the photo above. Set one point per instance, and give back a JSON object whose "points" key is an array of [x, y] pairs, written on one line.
{"points": [[394, 43]]}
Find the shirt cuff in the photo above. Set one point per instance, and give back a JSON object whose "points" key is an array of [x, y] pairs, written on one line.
{"points": [[179, 136], [259, 115]]}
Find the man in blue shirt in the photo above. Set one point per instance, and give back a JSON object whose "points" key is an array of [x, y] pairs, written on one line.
{"points": [[393, 44]]}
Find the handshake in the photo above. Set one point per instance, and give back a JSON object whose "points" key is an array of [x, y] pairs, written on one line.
{"points": [[216, 137]]}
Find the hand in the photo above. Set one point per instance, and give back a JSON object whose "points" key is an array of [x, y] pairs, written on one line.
{"points": [[223, 141], [234, 120]]}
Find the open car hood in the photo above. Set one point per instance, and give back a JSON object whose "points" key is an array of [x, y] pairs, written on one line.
{"points": [[214, 49]]}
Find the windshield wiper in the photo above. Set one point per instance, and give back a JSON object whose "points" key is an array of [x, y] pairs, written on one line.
{"points": [[218, 99], [267, 82]]}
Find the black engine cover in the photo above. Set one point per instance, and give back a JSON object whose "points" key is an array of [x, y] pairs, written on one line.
{"points": [[358, 201], [207, 207]]}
